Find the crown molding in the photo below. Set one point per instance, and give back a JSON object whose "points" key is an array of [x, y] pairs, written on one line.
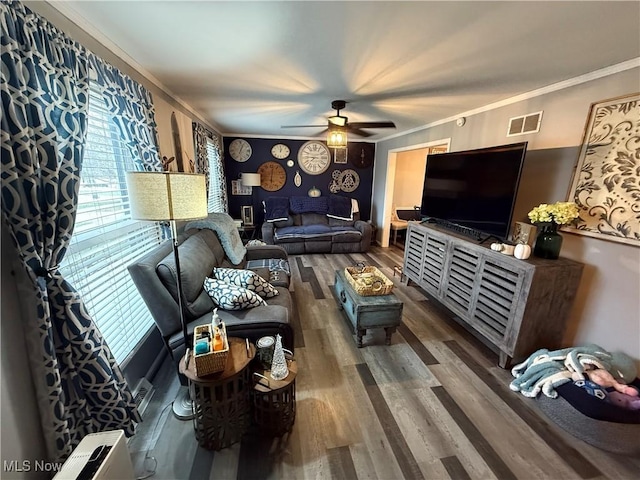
{"points": [[321, 138], [554, 87]]}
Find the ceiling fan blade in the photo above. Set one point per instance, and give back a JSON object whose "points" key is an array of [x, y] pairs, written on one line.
{"points": [[373, 124], [357, 131], [303, 126]]}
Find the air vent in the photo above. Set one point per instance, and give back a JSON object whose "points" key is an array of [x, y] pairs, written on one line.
{"points": [[524, 124], [142, 394]]}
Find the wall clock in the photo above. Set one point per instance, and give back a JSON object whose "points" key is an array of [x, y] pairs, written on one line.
{"points": [[314, 157], [240, 150], [272, 176], [280, 151]]}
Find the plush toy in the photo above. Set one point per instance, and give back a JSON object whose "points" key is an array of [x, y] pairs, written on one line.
{"points": [[605, 379]]}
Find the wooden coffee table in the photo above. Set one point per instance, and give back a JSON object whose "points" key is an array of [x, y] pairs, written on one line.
{"points": [[221, 401]]}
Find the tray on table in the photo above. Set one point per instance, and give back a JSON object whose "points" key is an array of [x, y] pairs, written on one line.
{"points": [[368, 281]]}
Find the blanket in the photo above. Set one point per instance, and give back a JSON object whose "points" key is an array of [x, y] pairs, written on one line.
{"points": [[340, 207], [225, 227], [308, 205], [276, 209], [543, 371]]}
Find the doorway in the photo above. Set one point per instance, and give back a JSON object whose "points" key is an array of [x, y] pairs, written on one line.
{"points": [[404, 180]]}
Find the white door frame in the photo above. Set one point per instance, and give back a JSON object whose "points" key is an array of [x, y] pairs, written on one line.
{"points": [[387, 205]]}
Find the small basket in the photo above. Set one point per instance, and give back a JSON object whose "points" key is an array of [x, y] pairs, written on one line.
{"points": [[211, 362], [368, 281]]}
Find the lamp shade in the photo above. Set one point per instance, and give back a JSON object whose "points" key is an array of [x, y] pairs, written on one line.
{"points": [[167, 195], [337, 137], [250, 179]]}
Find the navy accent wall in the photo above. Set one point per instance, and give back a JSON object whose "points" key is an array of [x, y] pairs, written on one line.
{"points": [[261, 153]]}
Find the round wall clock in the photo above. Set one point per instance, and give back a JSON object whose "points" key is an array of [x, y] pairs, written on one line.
{"points": [[272, 176], [314, 157], [290, 163], [280, 151], [240, 150]]}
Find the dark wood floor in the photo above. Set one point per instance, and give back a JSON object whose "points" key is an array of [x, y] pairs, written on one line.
{"points": [[432, 405]]}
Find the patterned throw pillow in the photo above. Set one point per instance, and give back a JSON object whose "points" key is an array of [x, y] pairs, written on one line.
{"points": [[246, 279], [231, 297]]}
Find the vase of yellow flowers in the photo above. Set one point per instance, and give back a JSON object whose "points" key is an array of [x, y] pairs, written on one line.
{"points": [[548, 217]]}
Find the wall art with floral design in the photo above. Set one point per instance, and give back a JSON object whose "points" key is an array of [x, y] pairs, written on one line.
{"points": [[606, 183]]}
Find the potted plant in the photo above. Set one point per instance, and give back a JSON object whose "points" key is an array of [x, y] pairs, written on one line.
{"points": [[547, 217]]}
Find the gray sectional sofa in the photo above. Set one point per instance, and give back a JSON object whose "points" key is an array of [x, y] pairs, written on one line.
{"points": [[315, 225], [201, 251]]}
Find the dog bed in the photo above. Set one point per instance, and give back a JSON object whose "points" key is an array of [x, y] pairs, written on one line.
{"points": [[597, 422]]}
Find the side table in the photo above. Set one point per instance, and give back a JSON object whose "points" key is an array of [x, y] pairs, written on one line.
{"points": [[274, 401], [221, 401]]}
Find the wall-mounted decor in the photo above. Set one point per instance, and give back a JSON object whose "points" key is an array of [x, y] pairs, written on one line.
{"points": [[237, 188], [272, 176], [240, 150], [340, 155], [280, 151], [297, 179], [605, 182], [349, 180], [314, 157]]}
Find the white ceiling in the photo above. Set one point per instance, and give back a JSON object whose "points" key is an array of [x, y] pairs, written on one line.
{"points": [[250, 67]]}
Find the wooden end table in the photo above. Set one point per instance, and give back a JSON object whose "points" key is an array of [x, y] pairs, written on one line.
{"points": [[221, 401], [274, 401]]}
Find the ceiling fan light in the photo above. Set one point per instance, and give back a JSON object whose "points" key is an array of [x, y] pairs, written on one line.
{"points": [[337, 138], [338, 120]]}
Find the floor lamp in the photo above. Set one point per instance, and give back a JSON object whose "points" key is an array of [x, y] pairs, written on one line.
{"points": [[170, 196]]}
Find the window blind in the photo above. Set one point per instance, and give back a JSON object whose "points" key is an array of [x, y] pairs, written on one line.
{"points": [[214, 201], [106, 239]]}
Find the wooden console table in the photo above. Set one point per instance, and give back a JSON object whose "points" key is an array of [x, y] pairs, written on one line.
{"points": [[517, 306]]}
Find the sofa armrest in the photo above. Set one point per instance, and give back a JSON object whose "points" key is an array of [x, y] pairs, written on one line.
{"points": [[259, 252], [366, 230], [268, 230]]}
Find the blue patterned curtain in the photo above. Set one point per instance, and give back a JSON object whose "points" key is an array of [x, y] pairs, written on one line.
{"points": [[44, 90], [133, 112], [202, 135]]}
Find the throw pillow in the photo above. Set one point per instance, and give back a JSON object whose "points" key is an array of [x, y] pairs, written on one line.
{"points": [[231, 297], [245, 279]]}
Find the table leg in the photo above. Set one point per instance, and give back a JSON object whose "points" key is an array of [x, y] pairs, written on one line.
{"points": [[360, 332], [389, 331]]}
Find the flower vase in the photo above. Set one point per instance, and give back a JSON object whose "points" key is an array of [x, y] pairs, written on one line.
{"points": [[548, 241]]}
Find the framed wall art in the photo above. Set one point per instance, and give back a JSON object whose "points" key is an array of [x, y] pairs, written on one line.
{"points": [[247, 215], [606, 185], [237, 188]]}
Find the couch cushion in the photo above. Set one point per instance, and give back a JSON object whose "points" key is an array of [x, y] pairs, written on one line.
{"points": [[314, 219], [295, 233], [231, 297], [245, 279], [196, 262], [346, 234]]}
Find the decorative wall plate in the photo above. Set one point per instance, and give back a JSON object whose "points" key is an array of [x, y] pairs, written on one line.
{"points": [[334, 186], [349, 180], [336, 174], [297, 179]]}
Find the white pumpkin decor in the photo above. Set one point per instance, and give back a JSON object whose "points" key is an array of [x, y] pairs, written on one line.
{"points": [[497, 247], [522, 251]]}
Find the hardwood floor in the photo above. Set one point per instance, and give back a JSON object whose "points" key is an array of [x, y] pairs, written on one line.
{"points": [[432, 405]]}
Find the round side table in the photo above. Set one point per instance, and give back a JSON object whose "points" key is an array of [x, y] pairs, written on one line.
{"points": [[221, 401], [274, 401]]}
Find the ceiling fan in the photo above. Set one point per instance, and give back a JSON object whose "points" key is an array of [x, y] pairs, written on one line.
{"points": [[340, 121]]}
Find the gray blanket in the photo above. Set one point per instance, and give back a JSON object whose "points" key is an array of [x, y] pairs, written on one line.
{"points": [[225, 227]]}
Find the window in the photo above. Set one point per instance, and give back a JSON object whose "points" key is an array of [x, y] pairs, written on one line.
{"points": [[106, 240], [215, 201]]}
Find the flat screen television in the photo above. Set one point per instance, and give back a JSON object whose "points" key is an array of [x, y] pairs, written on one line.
{"points": [[473, 189]]}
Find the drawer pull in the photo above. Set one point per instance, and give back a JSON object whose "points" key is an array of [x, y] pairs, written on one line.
{"points": [[343, 297]]}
